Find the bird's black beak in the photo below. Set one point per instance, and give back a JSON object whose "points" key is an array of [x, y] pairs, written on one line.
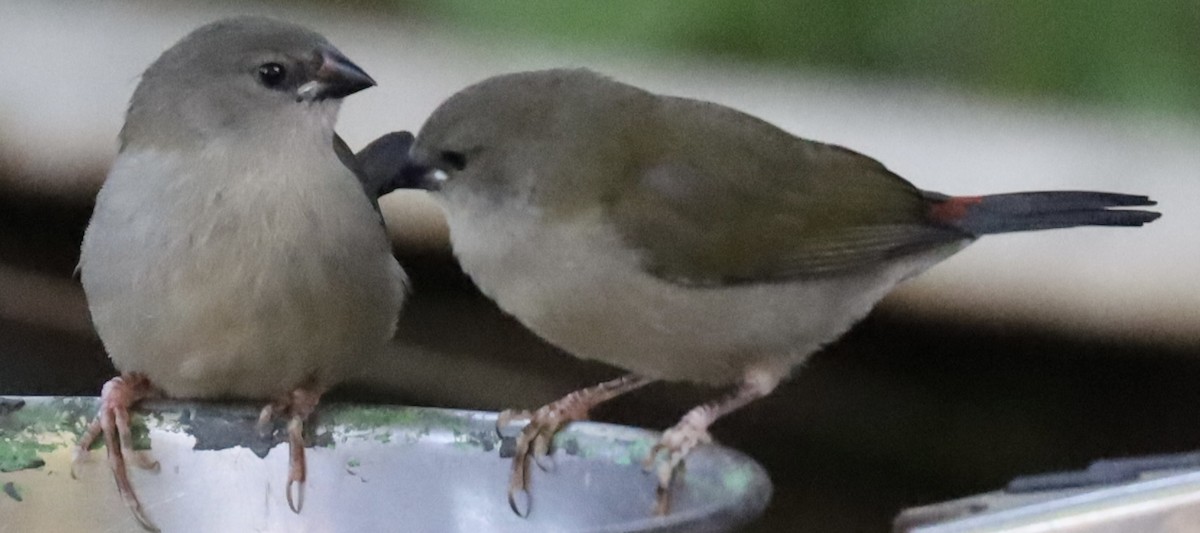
{"points": [[386, 164], [389, 163], [416, 172], [335, 77], [432, 179]]}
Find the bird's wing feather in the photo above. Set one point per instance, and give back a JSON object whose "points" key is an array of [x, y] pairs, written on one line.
{"points": [[752, 204], [347, 157]]}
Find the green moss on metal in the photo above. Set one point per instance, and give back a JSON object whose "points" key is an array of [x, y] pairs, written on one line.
{"points": [[384, 424], [472, 441], [40, 427], [22, 454], [621, 452], [56, 416], [29, 430], [638, 450], [737, 480], [369, 417]]}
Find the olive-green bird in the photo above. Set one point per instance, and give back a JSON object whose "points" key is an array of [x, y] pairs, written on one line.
{"points": [[687, 241]]}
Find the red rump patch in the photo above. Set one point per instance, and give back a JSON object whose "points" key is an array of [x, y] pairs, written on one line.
{"points": [[953, 209]]}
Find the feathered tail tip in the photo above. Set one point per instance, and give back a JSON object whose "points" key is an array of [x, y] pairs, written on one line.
{"points": [[1027, 211]]}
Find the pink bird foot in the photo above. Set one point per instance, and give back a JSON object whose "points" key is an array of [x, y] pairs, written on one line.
{"points": [[677, 442], [692, 431], [112, 420], [536, 437], [298, 406]]}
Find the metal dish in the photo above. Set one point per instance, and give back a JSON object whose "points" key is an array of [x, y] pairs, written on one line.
{"points": [[370, 468]]}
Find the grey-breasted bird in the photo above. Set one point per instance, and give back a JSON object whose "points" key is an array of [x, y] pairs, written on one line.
{"points": [[232, 252], [683, 240]]}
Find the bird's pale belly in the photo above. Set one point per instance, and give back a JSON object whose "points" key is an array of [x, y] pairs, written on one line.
{"points": [[242, 334], [586, 294], [209, 312]]}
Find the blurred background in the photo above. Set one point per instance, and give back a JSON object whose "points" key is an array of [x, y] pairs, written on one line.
{"points": [[1022, 354]]}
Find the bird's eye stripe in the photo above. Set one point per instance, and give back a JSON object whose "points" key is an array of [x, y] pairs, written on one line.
{"points": [[456, 160]]}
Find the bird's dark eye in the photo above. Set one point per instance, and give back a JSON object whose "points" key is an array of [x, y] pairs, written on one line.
{"points": [[271, 74], [456, 160]]}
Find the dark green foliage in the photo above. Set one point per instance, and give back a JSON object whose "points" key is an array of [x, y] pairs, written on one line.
{"points": [[1143, 55]]}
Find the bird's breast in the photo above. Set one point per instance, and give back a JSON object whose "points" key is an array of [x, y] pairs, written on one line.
{"points": [[222, 277]]}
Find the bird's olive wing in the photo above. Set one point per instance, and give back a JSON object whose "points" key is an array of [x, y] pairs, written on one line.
{"points": [[770, 212]]}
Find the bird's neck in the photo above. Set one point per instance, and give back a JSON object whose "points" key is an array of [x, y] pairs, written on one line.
{"points": [[310, 124]]}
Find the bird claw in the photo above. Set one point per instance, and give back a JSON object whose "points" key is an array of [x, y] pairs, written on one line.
{"points": [[264, 426], [541, 451], [535, 442], [518, 498], [298, 466], [112, 422], [536, 439], [295, 502], [298, 406], [508, 416], [677, 442], [145, 462]]}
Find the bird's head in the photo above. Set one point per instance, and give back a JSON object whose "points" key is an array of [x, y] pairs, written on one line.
{"points": [[242, 76]]}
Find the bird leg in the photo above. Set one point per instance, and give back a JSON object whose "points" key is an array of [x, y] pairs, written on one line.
{"points": [[692, 430], [298, 406], [112, 420], [536, 437]]}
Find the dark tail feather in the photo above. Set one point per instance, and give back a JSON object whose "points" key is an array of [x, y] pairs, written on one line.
{"points": [[1027, 211]]}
